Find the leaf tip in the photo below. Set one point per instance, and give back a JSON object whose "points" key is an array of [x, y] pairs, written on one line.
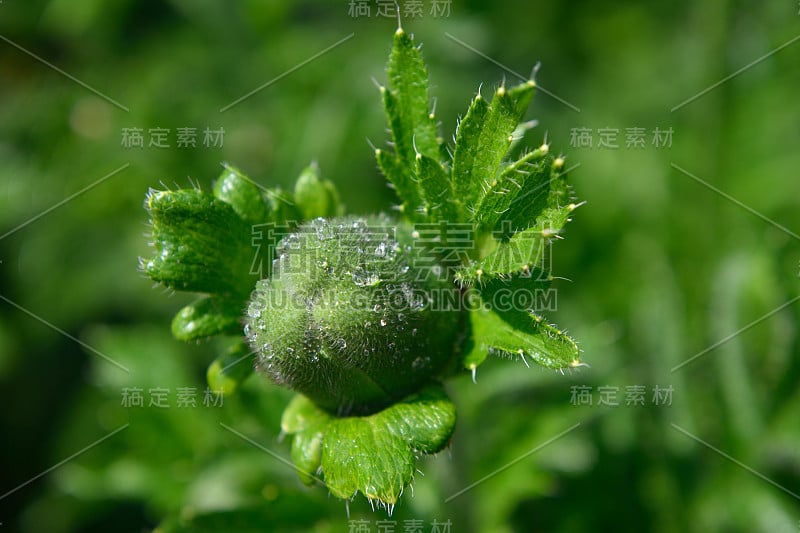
{"points": [[577, 363], [573, 207]]}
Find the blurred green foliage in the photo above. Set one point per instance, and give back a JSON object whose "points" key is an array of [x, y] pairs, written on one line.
{"points": [[662, 267]]}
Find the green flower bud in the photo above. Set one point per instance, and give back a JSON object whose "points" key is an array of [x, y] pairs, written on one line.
{"points": [[349, 317], [315, 197]]}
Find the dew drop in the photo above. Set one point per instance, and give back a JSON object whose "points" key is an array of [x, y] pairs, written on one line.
{"points": [[364, 278]]}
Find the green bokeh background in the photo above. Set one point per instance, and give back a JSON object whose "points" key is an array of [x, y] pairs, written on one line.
{"points": [[660, 266]]}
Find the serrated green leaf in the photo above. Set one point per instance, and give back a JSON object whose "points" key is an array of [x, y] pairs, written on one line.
{"points": [[373, 454], [524, 335], [520, 97], [517, 196], [527, 254], [362, 454], [545, 204], [468, 138], [413, 126], [241, 193], [484, 137], [315, 197], [230, 369], [200, 244], [403, 181], [560, 201], [440, 202], [426, 419], [207, 317], [474, 356]]}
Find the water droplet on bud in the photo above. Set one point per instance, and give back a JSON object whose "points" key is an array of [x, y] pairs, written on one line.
{"points": [[364, 278]]}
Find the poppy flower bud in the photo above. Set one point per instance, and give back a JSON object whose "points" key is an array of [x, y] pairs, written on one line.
{"points": [[351, 316]]}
